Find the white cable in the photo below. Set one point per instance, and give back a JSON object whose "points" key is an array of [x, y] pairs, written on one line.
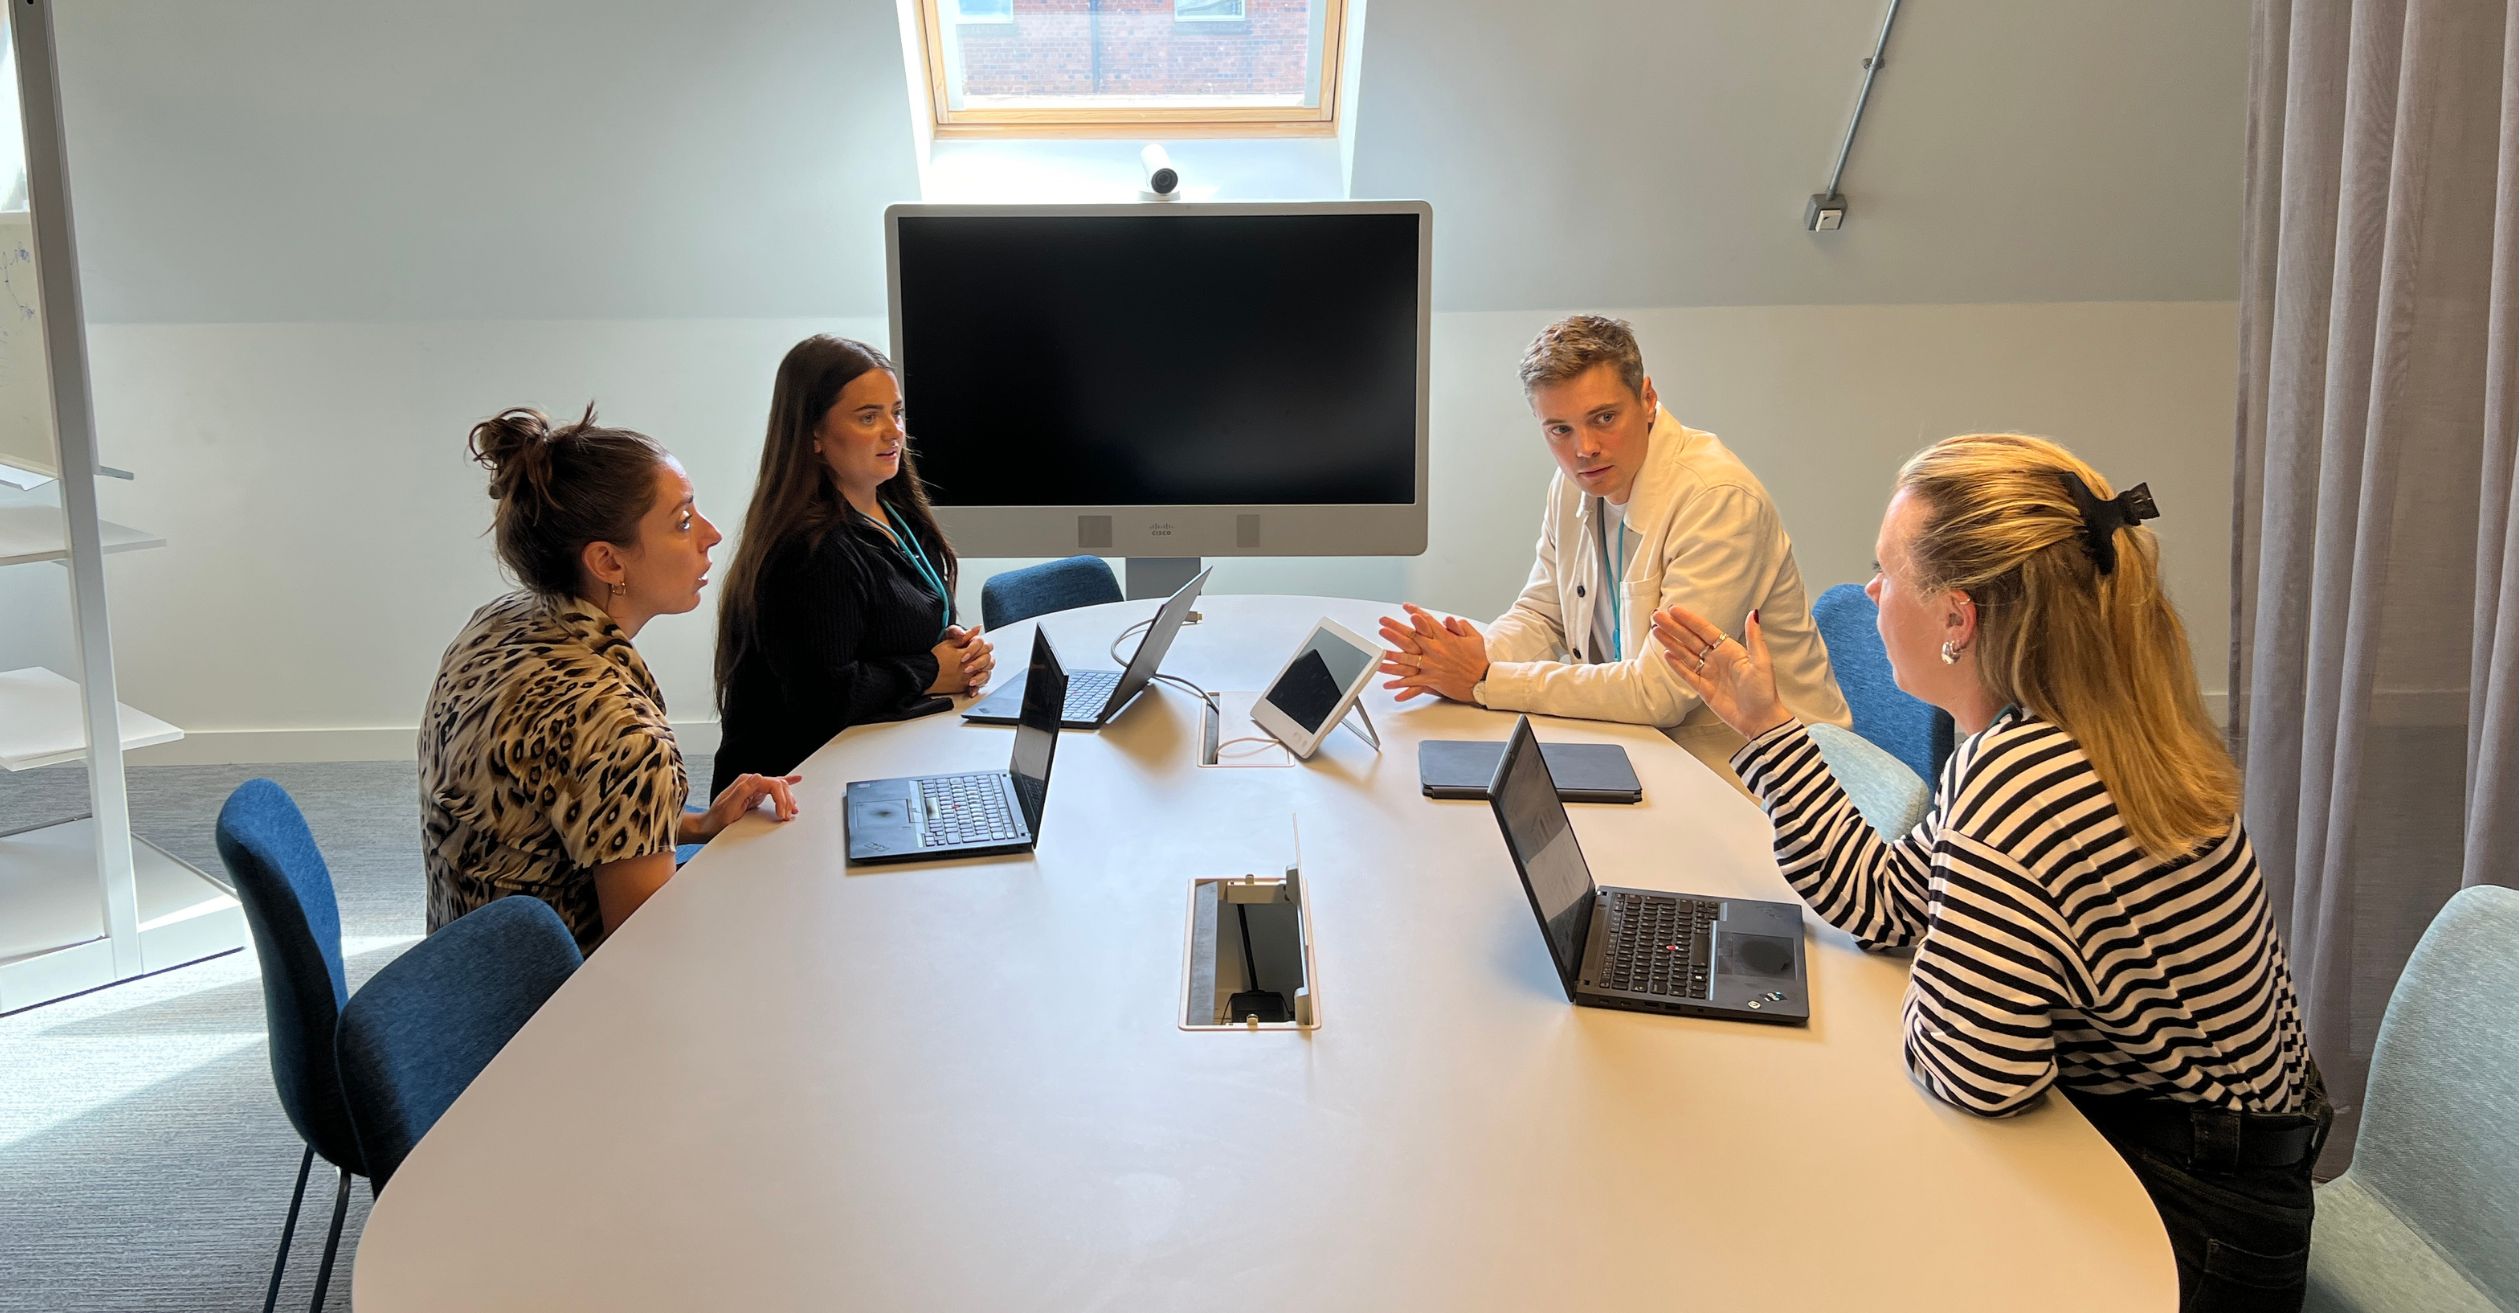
{"points": [[1194, 690], [1139, 628]]}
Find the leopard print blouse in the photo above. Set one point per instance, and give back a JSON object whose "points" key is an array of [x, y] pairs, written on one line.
{"points": [[544, 754]]}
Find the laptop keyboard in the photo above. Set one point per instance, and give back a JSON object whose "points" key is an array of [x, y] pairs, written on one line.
{"points": [[964, 809], [1653, 946], [1087, 691]]}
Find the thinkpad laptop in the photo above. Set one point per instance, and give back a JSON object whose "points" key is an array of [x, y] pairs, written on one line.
{"points": [[971, 815], [1095, 697], [1642, 949]]}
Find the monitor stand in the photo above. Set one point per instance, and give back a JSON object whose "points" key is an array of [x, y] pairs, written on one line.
{"points": [[1157, 577]]}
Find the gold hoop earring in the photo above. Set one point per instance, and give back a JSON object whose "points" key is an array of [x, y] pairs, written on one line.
{"points": [[619, 589]]}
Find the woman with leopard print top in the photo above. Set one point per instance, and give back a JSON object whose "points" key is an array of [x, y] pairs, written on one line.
{"points": [[546, 763]]}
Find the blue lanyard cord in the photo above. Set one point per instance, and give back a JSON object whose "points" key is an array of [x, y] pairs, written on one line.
{"points": [[909, 544], [1618, 585], [1617, 571]]}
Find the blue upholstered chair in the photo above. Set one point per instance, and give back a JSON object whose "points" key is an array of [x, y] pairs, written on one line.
{"points": [[420, 1030], [1881, 786], [1912, 731], [1051, 586], [684, 852], [287, 893], [2425, 1218]]}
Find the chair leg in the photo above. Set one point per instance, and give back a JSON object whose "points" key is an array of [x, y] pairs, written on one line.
{"points": [[288, 1229], [332, 1242]]}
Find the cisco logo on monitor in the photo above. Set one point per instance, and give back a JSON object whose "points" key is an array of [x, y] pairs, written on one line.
{"points": [[1159, 529]]}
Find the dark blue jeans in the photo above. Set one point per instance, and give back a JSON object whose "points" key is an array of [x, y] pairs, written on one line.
{"points": [[2233, 1190]]}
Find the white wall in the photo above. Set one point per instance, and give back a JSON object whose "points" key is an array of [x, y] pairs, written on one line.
{"points": [[1660, 152], [326, 529], [323, 161]]}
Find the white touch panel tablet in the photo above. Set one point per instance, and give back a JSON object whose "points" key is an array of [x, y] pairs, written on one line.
{"points": [[1315, 688]]}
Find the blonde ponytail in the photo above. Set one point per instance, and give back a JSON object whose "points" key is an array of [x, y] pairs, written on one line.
{"points": [[2098, 653]]}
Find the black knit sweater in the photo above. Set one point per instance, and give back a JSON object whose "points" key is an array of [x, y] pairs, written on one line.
{"points": [[847, 631]]}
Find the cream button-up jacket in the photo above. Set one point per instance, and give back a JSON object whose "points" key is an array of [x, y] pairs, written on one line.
{"points": [[1701, 533]]}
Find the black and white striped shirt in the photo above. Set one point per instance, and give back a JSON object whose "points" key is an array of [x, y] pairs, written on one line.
{"points": [[2048, 946]]}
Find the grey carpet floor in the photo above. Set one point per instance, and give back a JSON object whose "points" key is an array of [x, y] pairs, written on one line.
{"points": [[144, 1160]]}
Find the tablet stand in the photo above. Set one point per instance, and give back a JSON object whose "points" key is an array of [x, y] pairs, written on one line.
{"points": [[1363, 724]]}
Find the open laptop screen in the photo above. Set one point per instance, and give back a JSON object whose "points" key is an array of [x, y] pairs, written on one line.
{"points": [[1158, 640], [1037, 729], [1553, 872]]}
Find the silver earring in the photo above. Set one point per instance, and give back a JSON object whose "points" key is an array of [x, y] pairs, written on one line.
{"points": [[1950, 653]]}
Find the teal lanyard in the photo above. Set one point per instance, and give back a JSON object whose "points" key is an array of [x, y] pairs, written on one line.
{"points": [[1618, 580], [909, 543]]}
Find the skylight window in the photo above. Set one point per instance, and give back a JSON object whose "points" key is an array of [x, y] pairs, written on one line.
{"points": [[1133, 67]]}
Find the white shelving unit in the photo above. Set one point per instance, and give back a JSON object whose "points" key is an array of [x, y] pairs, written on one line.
{"points": [[39, 721], [82, 902], [29, 534]]}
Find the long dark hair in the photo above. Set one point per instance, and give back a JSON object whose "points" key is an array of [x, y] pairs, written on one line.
{"points": [[559, 489], [795, 495]]}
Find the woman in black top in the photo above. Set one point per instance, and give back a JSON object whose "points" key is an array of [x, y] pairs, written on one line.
{"points": [[839, 609]]}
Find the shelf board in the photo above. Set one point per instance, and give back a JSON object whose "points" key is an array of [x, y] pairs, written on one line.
{"points": [[52, 924], [37, 533], [41, 724]]}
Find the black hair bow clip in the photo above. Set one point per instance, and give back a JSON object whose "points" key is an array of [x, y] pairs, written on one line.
{"points": [[2103, 518]]}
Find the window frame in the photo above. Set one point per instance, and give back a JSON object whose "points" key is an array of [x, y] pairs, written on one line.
{"points": [[1123, 120]]}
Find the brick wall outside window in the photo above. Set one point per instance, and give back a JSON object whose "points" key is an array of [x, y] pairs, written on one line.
{"points": [[1050, 48]]}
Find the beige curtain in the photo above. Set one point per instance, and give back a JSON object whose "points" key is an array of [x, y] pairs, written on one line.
{"points": [[2374, 564]]}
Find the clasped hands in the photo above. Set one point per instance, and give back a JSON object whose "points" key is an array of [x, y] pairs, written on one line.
{"points": [[1446, 657], [964, 661]]}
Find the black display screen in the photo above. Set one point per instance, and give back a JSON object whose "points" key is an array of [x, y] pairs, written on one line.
{"points": [[1037, 729], [1161, 360], [1543, 842]]}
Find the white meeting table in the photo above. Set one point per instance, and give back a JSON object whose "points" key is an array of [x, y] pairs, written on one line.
{"points": [[791, 1084]]}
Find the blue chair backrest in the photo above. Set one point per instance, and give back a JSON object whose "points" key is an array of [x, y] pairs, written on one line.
{"points": [[1881, 786], [2440, 1134], [287, 891], [1912, 731], [1041, 589], [423, 1027]]}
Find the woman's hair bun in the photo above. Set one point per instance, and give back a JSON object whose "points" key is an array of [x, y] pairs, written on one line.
{"points": [[517, 446]]}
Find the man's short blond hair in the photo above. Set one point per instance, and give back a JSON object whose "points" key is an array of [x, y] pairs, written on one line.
{"points": [[1577, 343]]}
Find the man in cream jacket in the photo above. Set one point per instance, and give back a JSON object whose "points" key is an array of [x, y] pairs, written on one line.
{"points": [[1643, 513]]}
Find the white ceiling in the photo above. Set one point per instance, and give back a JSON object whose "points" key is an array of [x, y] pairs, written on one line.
{"points": [[319, 160]]}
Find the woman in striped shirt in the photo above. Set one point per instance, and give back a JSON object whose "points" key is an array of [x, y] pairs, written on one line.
{"points": [[2082, 901]]}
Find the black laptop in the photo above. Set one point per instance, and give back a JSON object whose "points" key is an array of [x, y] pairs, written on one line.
{"points": [[973, 815], [1095, 697], [1642, 949]]}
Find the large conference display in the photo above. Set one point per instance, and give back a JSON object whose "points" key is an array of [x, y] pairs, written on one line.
{"points": [[1167, 380]]}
